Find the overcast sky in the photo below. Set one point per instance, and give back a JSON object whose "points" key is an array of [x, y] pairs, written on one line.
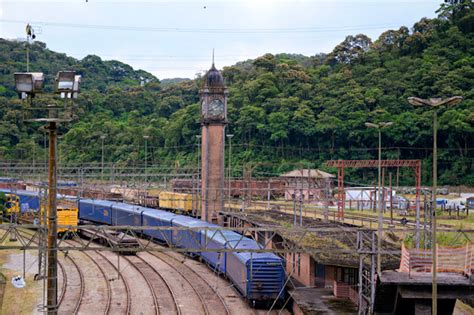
{"points": [[176, 38]]}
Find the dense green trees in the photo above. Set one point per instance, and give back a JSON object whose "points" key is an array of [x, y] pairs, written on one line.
{"points": [[283, 109]]}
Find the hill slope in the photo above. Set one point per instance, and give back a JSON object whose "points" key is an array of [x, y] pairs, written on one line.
{"points": [[285, 110]]}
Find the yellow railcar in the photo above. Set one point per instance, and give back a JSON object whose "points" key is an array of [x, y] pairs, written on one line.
{"points": [[180, 202], [67, 216]]}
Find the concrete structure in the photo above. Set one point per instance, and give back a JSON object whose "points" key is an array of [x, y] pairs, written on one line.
{"points": [[324, 268], [213, 121], [307, 184]]}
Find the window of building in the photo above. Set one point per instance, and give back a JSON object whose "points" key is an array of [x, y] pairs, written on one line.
{"points": [[299, 264]]}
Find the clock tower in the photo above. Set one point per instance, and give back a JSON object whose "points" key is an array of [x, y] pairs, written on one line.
{"points": [[213, 121]]}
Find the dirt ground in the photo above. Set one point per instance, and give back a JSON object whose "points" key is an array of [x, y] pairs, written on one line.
{"points": [[25, 300]]}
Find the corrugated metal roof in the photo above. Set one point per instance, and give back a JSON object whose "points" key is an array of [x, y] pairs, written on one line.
{"points": [[312, 173]]}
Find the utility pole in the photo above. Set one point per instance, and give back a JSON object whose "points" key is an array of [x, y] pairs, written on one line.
{"points": [[434, 103], [146, 137], [102, 137], [52, 278], [379, 128]]}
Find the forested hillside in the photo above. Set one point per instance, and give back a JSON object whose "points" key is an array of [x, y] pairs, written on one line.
{"points": [[283, 109]]}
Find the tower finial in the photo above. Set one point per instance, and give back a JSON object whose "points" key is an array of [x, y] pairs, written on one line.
{"points": [[213, 57]]}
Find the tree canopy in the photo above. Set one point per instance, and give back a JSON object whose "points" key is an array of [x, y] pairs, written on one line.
{"points": [[283, 108]]}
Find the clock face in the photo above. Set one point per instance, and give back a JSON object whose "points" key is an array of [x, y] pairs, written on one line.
{"points": [[216, 109]]}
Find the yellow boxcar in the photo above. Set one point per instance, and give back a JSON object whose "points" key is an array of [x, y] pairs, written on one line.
{"points": [[67, 216], [176, 201]]}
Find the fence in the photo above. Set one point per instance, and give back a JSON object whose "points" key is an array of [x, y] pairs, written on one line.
{"points": [[449, 259]]}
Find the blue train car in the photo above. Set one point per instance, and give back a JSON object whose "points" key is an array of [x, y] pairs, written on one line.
{"points": [[127, 214], [217, 239], [188, 239], [153, 217], [99, 211], [260, 277]]}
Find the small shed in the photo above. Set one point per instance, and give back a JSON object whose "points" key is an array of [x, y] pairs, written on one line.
{"points": [[308, 184]]}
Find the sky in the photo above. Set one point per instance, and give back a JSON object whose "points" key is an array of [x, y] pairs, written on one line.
{"points": [[176, 38]]}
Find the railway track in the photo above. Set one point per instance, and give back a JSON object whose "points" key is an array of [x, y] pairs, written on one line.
{"points": [[149, 283], [117, 291], [201, 286], [72, 294], [164, 298], [72, 288]]}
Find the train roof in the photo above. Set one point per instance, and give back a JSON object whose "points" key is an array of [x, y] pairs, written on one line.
{"points": [[247, 256], [159, 214], [190, 222], [223, 236], [100, 202], [128, 207]]}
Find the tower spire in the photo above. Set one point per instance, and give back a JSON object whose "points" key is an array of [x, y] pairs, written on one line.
{"points": [[213, 57]]}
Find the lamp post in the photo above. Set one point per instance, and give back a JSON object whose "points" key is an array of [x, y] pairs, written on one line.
{"points": [[146, 137], [379, 128], [230, 136], [435, 103], [67, 85], [102, 138]]}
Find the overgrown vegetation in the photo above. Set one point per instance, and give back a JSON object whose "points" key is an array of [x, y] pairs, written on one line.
{"points": [[283, 109]]}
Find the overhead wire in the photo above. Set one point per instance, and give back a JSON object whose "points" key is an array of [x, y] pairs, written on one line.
{"points": [[312, 29]]}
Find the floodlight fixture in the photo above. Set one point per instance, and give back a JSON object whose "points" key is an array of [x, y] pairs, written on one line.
{"points": [[435, 102], [385, 124], [380, 125], [77, 86], [68, 84], [29, 83]]}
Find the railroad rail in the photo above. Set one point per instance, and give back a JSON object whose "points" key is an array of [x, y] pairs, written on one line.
{"points": [[205, 291]]}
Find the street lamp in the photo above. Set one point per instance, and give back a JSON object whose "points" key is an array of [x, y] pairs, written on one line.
{"points": [[435, 103], [102, 137], [230, 136], [379, 127], [146, 137]]}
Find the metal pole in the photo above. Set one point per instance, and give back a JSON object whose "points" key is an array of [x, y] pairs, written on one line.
{"points": [[434, 103], [52, 280], [433, 234], [230, 162], [379, 234], [391, 199], [27, 53], [102, 137], [146, 167]]}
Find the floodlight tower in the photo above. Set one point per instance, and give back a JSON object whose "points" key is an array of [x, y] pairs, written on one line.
{"points": [[435, 103], [67, 86]]}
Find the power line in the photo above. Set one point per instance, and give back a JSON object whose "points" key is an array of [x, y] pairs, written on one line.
{"points": [[208, 30]]}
